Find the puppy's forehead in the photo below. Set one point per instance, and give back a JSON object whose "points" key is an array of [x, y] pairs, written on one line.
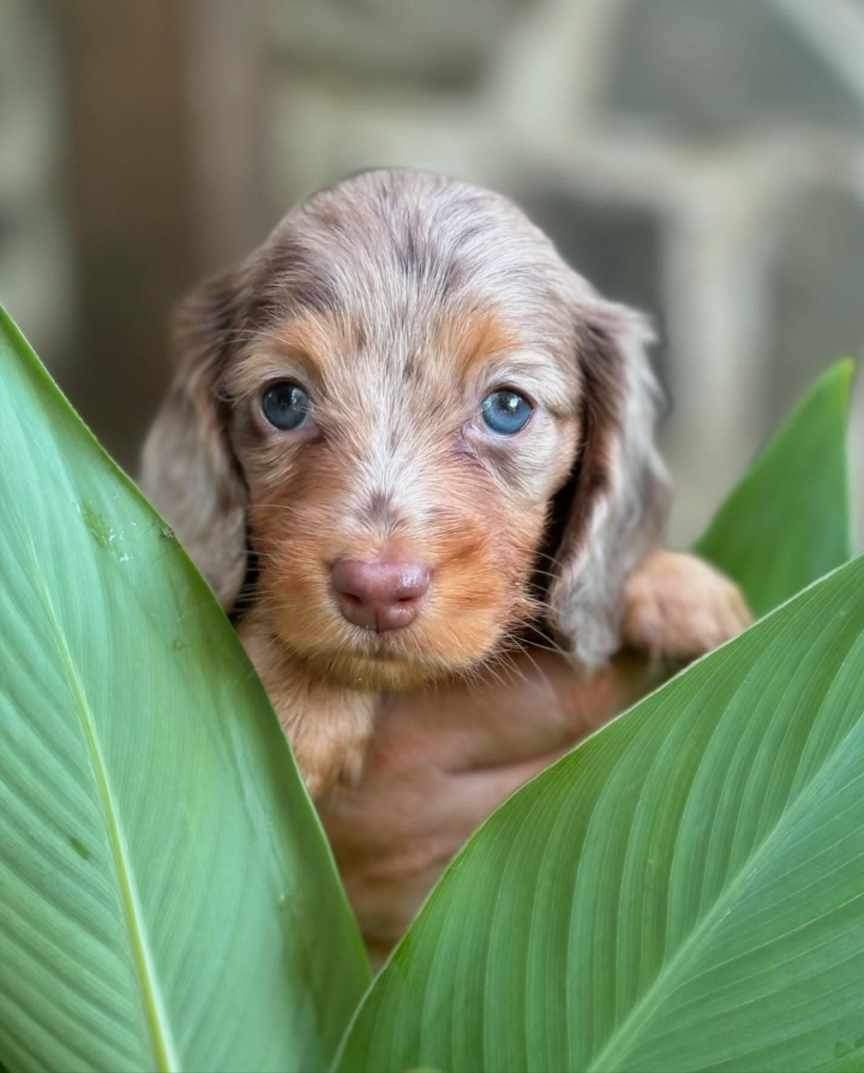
{"points": [[395, 254], [463, 340]]}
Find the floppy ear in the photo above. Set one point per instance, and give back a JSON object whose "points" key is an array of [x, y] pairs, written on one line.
{"points": [[612, 509], [188, 468]]}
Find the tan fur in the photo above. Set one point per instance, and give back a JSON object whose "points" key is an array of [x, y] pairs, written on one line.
{"points": [[678, 607], [329, 746], [474, 337], [399, 300]]}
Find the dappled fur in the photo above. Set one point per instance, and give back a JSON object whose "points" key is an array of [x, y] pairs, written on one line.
{"points": [[399, 299]]}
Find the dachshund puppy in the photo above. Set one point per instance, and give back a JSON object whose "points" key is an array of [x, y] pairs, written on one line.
{"points": [[406, 439]]}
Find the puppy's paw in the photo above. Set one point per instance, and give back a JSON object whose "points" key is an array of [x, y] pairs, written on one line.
{"points": [[678, 607]]}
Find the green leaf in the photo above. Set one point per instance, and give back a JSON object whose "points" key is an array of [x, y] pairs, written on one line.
{"points": [[787, 523], [167, 899], [682, 892]]}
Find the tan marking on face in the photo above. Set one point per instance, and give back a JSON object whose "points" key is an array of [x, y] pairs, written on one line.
{"points": [[314, 335], [475, 337], [309, 344]]}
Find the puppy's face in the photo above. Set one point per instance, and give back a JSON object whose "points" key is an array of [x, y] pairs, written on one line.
{"points": [[433, 441], [380, 405]]}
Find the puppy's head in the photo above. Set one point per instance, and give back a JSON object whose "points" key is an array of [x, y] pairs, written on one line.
{"points": [[427, 430]]}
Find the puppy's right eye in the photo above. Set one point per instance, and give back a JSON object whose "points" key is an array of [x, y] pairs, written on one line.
{"points": [[285, 405]]}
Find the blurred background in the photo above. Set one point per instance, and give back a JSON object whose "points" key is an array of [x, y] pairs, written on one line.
{"points": [[702, 160]]}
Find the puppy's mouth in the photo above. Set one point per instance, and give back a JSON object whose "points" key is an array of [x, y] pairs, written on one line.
{"points": [[377, 662], [403, 647], [378, 647]]}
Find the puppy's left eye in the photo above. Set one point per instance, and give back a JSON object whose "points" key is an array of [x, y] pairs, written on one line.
{"points": [[506, 412], [285, 405]]}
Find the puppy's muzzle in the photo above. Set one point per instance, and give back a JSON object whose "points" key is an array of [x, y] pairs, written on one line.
{"points": [[379, 595]]}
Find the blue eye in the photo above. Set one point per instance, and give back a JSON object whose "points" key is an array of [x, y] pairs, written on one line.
{"points": [[506, 412], [285, 405]]}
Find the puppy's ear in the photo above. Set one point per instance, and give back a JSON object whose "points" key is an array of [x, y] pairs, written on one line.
{"points": [[612, 509], [188, 468]]}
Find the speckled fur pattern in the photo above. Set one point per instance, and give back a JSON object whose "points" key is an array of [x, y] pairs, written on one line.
{"points": [[399, 300]]}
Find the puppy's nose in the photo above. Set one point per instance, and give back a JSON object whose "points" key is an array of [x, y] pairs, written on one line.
{"points": [[379, 595]]}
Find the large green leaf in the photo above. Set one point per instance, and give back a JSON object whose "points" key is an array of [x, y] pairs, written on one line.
{"points": [[787, 523], [684, 891], [167, 900]]}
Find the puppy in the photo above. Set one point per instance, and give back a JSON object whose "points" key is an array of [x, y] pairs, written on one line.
{"points": [[405, 439]]}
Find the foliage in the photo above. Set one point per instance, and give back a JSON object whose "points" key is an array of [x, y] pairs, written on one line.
{"points": [[683, 891], [167, 899], [696, 899], [787, 523]]}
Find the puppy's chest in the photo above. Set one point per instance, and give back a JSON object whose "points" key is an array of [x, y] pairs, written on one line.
{"points": [[329, 731], [329, 727]]}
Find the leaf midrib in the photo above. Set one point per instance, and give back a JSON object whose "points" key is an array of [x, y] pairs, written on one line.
{"points": [[620, 1042], [160, 1037]]}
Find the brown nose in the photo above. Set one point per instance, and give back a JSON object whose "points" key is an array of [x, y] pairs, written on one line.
{"points": [[379, 595]]}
